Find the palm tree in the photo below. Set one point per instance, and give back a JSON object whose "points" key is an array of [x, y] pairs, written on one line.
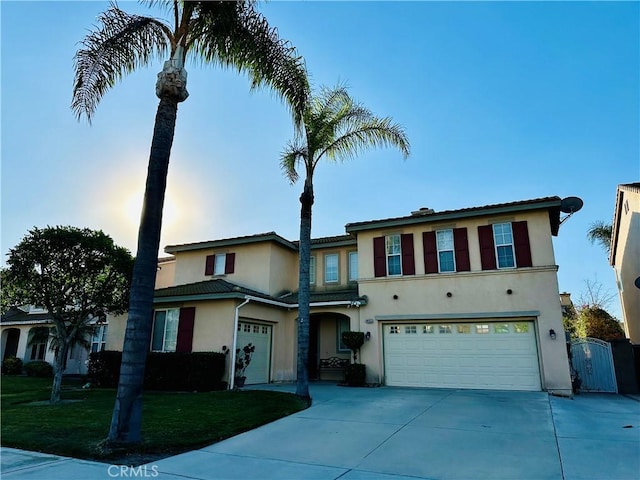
{"points": [[229, 34], [336, 128], [601, 232]]}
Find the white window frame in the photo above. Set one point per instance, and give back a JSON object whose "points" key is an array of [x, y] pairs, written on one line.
{"points": [[353, 266], [219, 263], [502, 243], [99, 338], [312, 270], [168, 343], [393, 249], [328, 256], [440, 250]]}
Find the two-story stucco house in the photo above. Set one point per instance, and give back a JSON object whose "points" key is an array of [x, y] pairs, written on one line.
{"points": [[461, 298]]}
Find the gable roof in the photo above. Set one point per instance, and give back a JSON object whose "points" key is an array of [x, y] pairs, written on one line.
{"points": [[226, 242], [552, 204]]}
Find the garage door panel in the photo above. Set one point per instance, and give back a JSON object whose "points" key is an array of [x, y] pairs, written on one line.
{"points": [[500, 355], [260, 336]]}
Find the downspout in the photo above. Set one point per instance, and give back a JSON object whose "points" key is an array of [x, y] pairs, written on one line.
{"points": [[232, 374]]}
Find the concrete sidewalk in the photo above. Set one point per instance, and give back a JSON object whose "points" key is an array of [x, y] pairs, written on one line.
{"points": [[397, 433]]}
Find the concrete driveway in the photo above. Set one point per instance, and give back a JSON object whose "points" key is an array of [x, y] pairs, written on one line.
{"points": [[395, 433]]}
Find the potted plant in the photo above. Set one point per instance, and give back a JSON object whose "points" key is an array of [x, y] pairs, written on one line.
{"points": [[355, 374], [243, 359]]}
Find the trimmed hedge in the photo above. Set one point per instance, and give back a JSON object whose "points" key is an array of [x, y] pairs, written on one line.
{"points": [[38, 368], [12, 366], [169, 371]]}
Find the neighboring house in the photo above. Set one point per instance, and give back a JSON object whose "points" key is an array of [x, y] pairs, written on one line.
{"points": [[624, 255], [22, 337], [458, 299]]}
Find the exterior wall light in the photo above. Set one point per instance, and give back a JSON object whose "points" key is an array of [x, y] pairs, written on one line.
{"points": [[367, 336], [552, 334]]}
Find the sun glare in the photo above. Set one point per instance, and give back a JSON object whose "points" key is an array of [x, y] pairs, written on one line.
{"points": [[133, 209]]}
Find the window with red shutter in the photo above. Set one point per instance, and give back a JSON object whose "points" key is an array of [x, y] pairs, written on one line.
{"points": [[379, 257], [487, 247], [430, 252], [461, 246], [229, 263], [521, 244], [184, 340], [408, 262], [209, 263]]}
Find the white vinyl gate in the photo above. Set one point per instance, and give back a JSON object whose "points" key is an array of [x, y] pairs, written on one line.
{"points": [[593, 360]]}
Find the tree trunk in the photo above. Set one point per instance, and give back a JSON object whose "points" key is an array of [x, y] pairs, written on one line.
{"points": [[126, 421], [304, 293], [58, 369]]}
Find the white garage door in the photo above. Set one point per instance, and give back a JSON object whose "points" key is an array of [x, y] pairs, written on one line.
{"points": [[487, 355], [260, 336]]}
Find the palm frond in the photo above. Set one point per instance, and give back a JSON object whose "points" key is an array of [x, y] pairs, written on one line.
{"points": [[120, 44], [290, 159], [601, 232], [235, 35]]}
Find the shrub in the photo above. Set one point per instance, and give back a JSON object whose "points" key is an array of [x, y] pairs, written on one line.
{"points": [[104, 368], [38, 368], [12, 366], [353, 341], [172, 371], [176, 371], [355, 375]]}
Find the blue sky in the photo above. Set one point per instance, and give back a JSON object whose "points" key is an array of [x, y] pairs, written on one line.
{"points": [[502, 101]]}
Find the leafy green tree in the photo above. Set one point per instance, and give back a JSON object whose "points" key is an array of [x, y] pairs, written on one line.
{"points": [[595, 322], [77, 275], [601, 232], [336, 128], [219, 33]]}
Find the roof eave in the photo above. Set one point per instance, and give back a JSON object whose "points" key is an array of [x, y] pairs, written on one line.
{"points": [[552, 205]]}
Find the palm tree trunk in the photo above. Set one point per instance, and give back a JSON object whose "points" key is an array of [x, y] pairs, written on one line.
{"points": [[126, 421], [304, 293]]}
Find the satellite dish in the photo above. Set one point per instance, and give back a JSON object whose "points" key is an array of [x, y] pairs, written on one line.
{"points": [[571, 204]]}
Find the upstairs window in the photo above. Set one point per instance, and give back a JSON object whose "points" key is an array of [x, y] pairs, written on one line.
{"points": [[504, 245], [353, 266], [444, 242], [394, 255], [503, 238], [331, 268], [312, 270], [220, 264], [446, 250]]}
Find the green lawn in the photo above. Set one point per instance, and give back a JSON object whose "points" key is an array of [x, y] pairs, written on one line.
{"points": [[172, 422]]}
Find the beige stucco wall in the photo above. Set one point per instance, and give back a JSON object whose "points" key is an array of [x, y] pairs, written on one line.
{"points": [[265, 266], [627, 262], [165, 276]]}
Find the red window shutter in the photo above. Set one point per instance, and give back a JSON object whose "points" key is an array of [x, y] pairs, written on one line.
{"points": [[487, 247], [208, 268], [379, 257], [408, 262], [461, 247], [521, 244], [229, 262], [430, 252], [185, 329]]}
